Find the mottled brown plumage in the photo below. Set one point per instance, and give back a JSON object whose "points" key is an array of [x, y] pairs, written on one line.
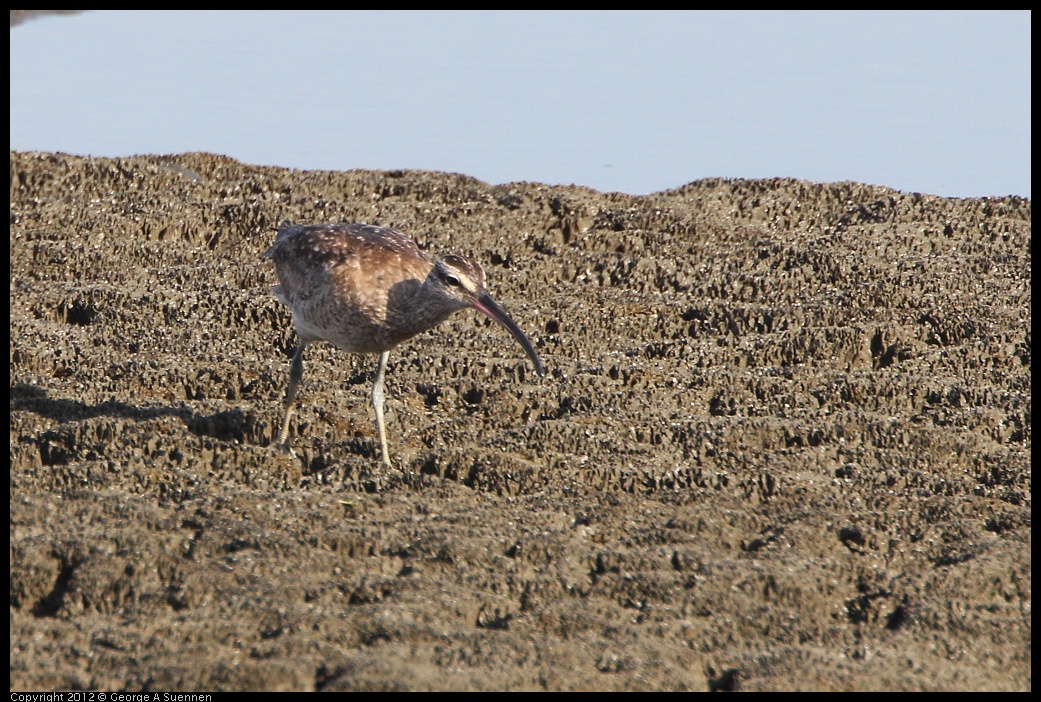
{"points": [[366, 289]]}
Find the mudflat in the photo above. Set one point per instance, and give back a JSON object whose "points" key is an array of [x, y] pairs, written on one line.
{"points": [[783, 441]]}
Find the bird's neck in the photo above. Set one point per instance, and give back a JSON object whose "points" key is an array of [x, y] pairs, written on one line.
{"points": [[417, 312]]}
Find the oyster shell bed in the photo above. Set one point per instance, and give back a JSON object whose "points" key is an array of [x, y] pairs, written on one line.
{"points": [[783, 441]]}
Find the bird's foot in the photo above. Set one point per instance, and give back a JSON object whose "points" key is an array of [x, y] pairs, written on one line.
{"points": [[284, 448]]}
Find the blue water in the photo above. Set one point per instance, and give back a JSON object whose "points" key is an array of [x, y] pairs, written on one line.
{"points": [[935, 102]]}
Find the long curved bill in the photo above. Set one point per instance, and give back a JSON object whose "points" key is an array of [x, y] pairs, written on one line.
{"points": [[488, 306]]}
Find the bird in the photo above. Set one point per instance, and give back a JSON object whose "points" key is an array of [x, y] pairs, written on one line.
{"points": [[366, 289]]}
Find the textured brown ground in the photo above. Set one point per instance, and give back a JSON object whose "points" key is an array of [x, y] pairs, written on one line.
{"points": [[784, 442]]}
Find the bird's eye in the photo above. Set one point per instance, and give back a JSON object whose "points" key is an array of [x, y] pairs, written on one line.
{"points": [[453, 281]]}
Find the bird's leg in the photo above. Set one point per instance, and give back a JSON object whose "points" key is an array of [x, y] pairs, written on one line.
{"points": [[296, 372], [378, 399]]}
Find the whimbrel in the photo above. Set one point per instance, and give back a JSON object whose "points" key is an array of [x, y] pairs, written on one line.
{"points": [[366, 289]]}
